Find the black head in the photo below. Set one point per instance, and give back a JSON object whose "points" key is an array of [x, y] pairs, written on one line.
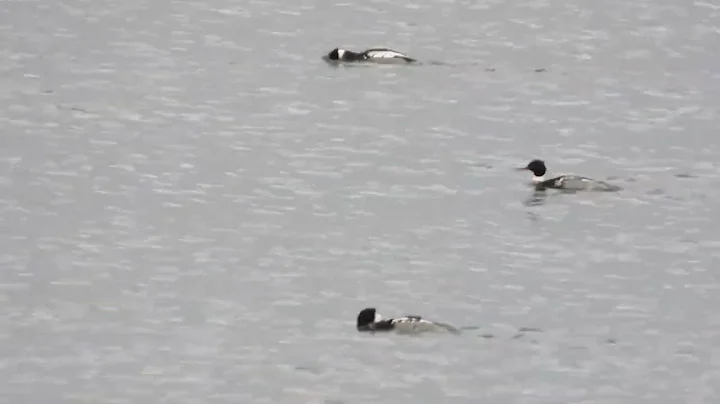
{"points": [[537, 167], [334, 54], [366, 317]]}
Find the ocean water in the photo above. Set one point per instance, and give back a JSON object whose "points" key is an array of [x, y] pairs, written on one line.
{"points": [[195, 207]]}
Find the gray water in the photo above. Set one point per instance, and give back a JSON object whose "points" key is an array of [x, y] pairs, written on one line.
{"points": [[195, 206]]}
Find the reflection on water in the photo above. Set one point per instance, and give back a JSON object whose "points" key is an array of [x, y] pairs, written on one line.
{"points": [[536, 198]]}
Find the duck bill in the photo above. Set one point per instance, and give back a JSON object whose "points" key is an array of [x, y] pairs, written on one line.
{"points": [[521, 169]]}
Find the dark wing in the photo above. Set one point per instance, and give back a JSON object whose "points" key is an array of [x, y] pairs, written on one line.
{"points": [[543, 185], [574, 183], [555, 183], [383, 325], [416, 324]]}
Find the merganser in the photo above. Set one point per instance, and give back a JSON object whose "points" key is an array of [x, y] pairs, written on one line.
{"points": [[371, 55], [369, 320], [564, 182]]}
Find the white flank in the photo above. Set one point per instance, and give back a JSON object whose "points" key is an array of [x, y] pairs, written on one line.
{"points": [[385, 54]]}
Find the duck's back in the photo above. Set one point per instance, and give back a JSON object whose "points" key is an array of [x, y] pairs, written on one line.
{"points": [[416, 325], [579, 183], [386, 54]]}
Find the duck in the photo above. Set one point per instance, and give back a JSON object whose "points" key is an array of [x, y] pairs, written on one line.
{"points": [[380, 55], [564, 182], [369, 320]]}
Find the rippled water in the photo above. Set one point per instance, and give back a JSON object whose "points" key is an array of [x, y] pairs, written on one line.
{"points": [[195, 206]]}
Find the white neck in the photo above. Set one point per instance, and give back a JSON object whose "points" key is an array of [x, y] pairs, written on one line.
{"points": [[537, 179], [378, 317]]}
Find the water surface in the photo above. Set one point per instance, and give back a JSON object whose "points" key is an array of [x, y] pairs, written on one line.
{"points": [[195, 206]]}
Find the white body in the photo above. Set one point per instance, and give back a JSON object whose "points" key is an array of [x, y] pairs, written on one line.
{"points": [[384, 54], [416, 325]]}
